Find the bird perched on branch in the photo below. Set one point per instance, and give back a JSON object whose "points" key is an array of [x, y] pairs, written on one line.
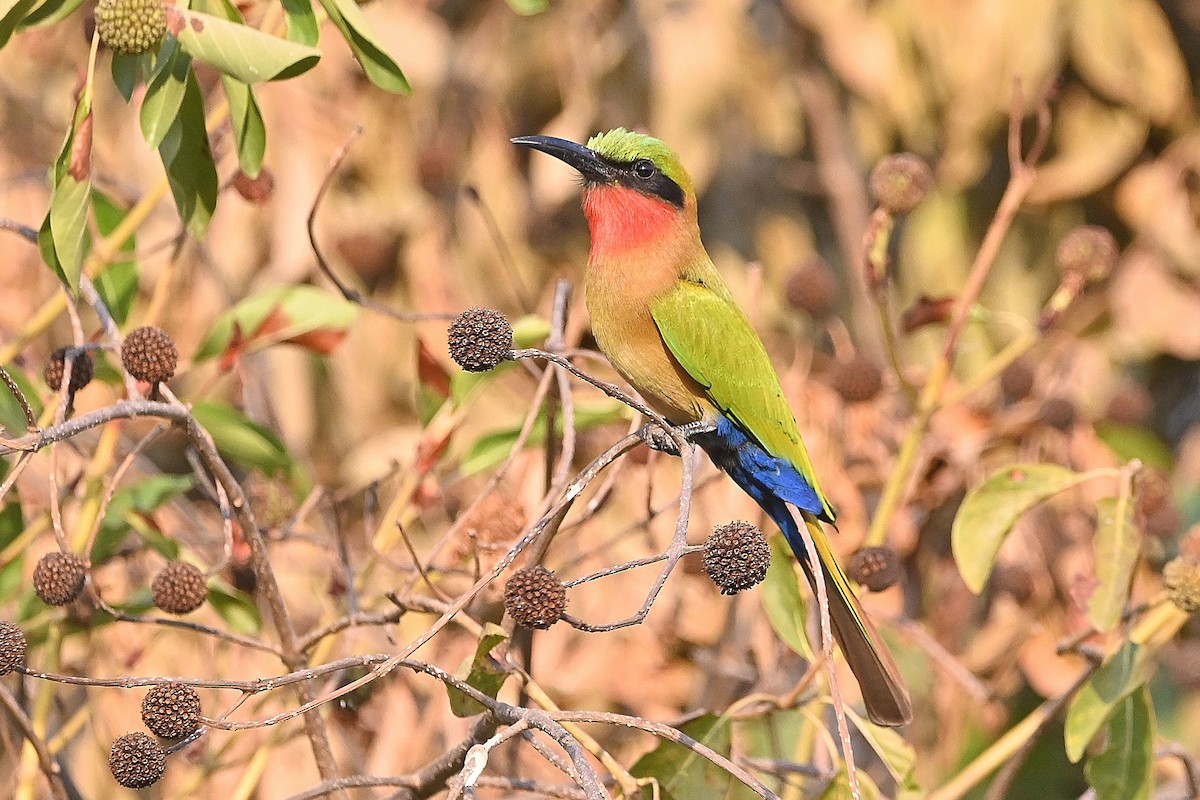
{"points": [[666, 320]]}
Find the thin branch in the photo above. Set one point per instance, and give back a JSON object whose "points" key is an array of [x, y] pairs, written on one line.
{"points": [[351, 294], [46, 762], [671, 735]]}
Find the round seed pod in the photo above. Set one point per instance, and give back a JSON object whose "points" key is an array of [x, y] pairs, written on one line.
{"points": [[1130, 404], [171, 710], [535, 597], [1016, 381], [136, 760], [149, 354], [12, 648], [1182, 577], [900, 182], [1059, 413], [736, 556], [58, 578], [479, 339], [876, 568], [258, 189], [811, 288], [496, 521], [179, 588], [131, 27], [857, 380], [82, 369], [1089, 250]]}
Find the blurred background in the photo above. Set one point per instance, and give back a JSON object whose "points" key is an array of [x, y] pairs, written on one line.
{"points": [[779, 110]]}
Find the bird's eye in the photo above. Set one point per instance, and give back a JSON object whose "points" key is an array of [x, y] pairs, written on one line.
{"points": [[644, 169]]}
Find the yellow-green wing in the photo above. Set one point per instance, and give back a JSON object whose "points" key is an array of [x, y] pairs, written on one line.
{"points": [[711, 338]]}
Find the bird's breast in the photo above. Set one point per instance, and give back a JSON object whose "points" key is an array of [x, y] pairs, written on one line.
{"points": [[619, 295]]}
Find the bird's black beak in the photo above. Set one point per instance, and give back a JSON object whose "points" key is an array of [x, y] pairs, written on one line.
{"points": [[591, 166]]}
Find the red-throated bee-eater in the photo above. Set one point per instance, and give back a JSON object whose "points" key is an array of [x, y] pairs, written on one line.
{"points": [[666, 320]]}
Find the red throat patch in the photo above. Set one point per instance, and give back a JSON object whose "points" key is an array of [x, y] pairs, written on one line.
{"points": [[622, 219]]}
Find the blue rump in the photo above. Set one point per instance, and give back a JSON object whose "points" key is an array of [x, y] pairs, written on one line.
{"points": [[773, 482]]}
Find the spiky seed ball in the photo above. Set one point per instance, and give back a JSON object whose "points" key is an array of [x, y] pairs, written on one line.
{"points": [[811, 288], [1182, 577], [58, 578], [900, 182], [876, 568], [535, 597], [131, 27], [1016, 380], [1089, 250], [736, 556], [149, 354], [82, 369], [12, 647], [1059, 413], [136, 760], [179, 588], [171, 710], [480, 338], [857, 380]]}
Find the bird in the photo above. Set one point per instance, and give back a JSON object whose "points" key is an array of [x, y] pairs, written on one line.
{"points": [[665, 319]]}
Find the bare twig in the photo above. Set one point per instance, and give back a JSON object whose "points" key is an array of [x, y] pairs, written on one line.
{"points": [[353, 295]]}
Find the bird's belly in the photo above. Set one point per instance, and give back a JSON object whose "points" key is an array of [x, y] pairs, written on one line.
{"points": [[630, 340]]}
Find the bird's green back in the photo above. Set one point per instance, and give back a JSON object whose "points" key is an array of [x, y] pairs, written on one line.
{"points": [[710, 336]]}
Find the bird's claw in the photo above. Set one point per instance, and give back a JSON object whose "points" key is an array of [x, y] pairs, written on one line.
{"points": [[664, 440], [659, 438]]}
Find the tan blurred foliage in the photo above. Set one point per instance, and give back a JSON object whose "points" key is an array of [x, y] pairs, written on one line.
{"points": [[778, 109]]}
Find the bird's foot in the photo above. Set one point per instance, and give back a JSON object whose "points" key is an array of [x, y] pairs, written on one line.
{"points": [[658, 438]]}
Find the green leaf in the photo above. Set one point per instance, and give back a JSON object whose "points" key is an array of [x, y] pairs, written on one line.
{"points": [[1117, 547], [277, 315], [1124, 769], [786, 608], [67, 221], [144, 497], [684, 775], [379, 67], [1127, 670], [1129, 442], [481, 672], [490, 449], [126, 70], [12, 521], [239, 51], [191, 171], [165, 92], [249, 131], [237, 609], [12, 578], [11, 14], [528, 8], [241, 439], [302, 24], [839, 789], [991, 509], [118, 284], [50, 12]]}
